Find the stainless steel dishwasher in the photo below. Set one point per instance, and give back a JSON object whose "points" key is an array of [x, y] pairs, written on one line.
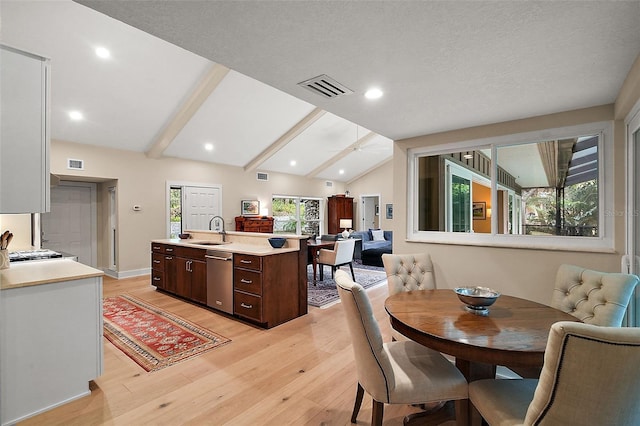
{"points": [[220, 280]]}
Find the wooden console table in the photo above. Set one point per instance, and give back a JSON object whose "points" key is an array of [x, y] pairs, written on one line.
{"points": [[254, 224]]}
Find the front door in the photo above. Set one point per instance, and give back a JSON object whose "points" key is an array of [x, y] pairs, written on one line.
{"points": [[200, 205]]}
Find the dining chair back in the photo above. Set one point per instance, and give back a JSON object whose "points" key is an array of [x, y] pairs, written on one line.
{"points": [[342, 254], [590, 376], [594, 297], [395, 372], [329, 237], [407, 272]]}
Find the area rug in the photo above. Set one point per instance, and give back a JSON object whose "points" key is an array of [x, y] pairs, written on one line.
{"points": [[153, 337], [325, 293]]}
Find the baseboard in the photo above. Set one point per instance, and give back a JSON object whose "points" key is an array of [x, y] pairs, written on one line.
{"points": [[126, 274]]}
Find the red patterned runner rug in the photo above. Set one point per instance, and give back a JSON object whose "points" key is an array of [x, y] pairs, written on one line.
{"points": [[152, 337]]}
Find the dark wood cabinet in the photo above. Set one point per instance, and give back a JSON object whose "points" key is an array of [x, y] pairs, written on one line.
{"points": [[254, 224], [266, 288], [163, 267], [180, 270], [338, 207]]}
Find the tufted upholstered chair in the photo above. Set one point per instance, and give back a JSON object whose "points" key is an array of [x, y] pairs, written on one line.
{"points": [[342, 254], [590, 377], [406, 272], [593, 297], [395, 372]]}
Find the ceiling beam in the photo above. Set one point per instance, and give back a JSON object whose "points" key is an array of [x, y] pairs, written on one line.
{"points": [[282, 141], [207, 84], [348, 150]]}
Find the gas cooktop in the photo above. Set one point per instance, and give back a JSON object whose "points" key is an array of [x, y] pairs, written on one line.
{"points": [[20, 256]]}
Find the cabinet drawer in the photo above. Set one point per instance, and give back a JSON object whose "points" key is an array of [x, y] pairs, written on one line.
{"points": [[157, 261], [248, 281], [191, 253], [157, 279], [247, 305], [247, 261], [159, 248]]}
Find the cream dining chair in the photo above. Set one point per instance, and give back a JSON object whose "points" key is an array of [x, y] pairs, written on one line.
{"points": [[342, 254], [590, 377], [396, 372], [407, 272], [593, 297]]}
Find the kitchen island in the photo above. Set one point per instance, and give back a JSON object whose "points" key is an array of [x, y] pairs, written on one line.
{"points": [[51, 341], [266, 286]]}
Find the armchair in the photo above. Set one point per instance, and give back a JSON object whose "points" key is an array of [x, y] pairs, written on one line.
{"points": [[342, 254]]}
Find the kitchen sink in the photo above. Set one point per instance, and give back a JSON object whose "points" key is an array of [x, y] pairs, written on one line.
{"points": [[207, 243]]}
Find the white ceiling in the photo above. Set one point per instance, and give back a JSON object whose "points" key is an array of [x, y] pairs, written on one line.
{"points": [[442, 65]]}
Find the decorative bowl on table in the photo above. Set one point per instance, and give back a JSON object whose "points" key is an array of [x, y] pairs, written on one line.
{"points": [[277, 242], [477, 299], [184, 236]]}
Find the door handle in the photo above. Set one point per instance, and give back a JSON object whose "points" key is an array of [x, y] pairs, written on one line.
{"points": [[246, 306], [246, 281]]}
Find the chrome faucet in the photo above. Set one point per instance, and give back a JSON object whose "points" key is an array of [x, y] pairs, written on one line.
{"points": [[223, 233]]}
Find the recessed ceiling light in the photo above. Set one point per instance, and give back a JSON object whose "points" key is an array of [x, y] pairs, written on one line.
{"points": [[373, 93], [102, 52], [208, 146], [292, 163], [75, 115], [341, 171]]}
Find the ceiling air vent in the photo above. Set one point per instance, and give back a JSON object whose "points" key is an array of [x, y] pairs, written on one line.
{"points": [[262, 176], [328, 184], [75, 164], [326, 87]]}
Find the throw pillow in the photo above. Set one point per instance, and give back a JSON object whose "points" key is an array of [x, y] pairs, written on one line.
{"points": [[378, 235]]}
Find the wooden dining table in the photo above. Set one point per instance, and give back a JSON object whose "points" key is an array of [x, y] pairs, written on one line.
{"points": [[314, 247], [513, 334]]}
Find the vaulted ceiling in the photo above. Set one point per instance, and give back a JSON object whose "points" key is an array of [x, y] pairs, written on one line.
{"points": [[185, 74]]}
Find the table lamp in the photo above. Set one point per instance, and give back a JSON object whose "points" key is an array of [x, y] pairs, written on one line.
{"points": [[346, 224]]}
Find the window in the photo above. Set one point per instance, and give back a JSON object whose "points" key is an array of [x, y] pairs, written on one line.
{"points": [[296, 215], [539, 189]]}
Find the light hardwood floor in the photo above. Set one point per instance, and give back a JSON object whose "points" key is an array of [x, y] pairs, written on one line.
{"points": [[299, 373]]}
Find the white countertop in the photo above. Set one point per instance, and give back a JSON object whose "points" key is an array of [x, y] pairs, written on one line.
{"points": [[24, 274], [231, 247]]}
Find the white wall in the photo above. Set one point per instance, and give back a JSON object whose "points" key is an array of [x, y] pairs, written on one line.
{"points": [[142, 181]]}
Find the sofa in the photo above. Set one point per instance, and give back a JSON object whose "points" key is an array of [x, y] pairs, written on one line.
{"points": [[373, 246]]}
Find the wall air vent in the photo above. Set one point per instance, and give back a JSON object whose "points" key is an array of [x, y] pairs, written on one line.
{"points": [[328, 184], [262, 176], [73, 164], [325, 86]]}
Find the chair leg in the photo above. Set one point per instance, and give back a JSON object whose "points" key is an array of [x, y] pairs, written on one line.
{"points": [[358, 403], [333, 272], [377, 413], [352, 274], [321, 272]]}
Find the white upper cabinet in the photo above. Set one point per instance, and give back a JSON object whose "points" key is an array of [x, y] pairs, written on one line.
{"points": [[24, 136]]}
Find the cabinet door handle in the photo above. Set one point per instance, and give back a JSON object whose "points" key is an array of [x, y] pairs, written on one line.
{"points": [[169, 249], [156, 278], [246, 261], [155, 248], [246, 306], [156, 261], [246, 281], [168, 257]]}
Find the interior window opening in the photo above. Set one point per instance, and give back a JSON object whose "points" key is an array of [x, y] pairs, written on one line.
{"points": [[546, 188]]}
